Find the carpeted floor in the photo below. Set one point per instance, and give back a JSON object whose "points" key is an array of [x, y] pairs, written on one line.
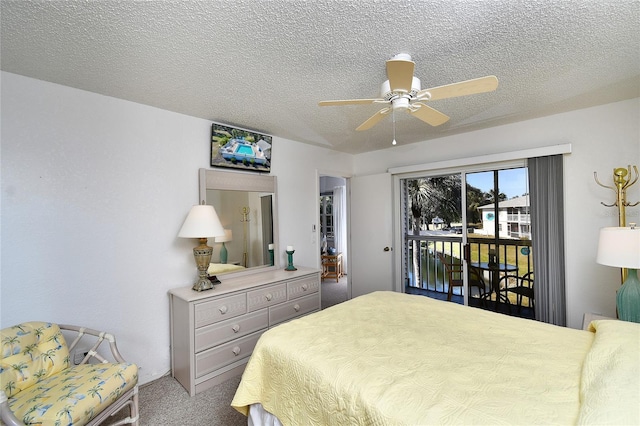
{"points": [[164, 402], [333, 292]]}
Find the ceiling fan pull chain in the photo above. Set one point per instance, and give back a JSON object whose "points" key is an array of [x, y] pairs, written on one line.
{"points": [[393, 117]]}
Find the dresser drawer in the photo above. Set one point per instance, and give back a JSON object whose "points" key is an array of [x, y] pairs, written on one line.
{"points": [[302, 287], [293, 308], [221, 332], [266, 296], [220, 356], [220, 309]]}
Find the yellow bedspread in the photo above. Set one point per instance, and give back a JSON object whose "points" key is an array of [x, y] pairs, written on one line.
{"points": [[393, 359], [610, 388]]}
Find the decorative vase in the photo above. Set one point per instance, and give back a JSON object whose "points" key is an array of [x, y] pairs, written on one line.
{"points": [[223, 254]]}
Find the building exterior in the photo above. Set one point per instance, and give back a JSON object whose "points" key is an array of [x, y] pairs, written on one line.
{"points": [[514, 218]]}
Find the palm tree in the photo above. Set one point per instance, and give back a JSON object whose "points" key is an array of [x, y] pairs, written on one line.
{"points": [[9, 387], [492, 196], [38, 333], [30, 349], [19, 367], [95, 391], [40, 374], [430, 197], [10, 341], [50, 354], [66, 410], [418, 193]]}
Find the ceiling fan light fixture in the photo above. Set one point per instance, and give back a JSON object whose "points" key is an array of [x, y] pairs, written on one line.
{"points": [[401, 103]]}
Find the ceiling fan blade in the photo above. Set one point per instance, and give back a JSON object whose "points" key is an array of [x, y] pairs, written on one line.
{"points": [[350, 102], [463, 88], [373, 120], [400, 73], [429, 115]]}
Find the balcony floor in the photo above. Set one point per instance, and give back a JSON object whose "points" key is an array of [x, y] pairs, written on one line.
{"points": [[503, 308]]}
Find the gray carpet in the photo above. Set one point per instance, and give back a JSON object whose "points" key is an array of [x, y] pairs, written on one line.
{"points": [[333, 292], [164, 402]]}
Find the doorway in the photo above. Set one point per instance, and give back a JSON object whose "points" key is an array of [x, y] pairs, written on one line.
{"points": [[333, 239]]}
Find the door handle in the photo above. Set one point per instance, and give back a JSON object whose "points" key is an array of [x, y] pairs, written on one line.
{"points": [[387, 249]]}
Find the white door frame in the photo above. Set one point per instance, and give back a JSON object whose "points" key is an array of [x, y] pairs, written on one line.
{"points": [[318, 240]]}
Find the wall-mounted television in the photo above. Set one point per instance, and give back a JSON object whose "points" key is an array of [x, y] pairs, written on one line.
{"points": [[239, 148]]}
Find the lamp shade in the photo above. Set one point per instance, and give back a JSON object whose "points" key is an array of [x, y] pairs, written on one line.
{"points": [[619, 247], [201, 222], [224, 238]]}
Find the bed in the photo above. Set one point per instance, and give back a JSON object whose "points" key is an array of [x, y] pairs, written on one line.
{"points": [[220, 268], [388, 358]]}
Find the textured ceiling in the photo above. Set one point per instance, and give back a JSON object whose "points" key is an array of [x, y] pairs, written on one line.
{"points": [[264, 65]]}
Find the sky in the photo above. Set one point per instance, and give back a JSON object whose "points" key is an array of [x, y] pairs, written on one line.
{"points": [[512, 182]]}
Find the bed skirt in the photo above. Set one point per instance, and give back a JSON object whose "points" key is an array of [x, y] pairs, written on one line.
{"points": [[258, 416]]}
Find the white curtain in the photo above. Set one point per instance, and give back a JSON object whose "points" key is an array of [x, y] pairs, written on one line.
{"points": [[340, 223]]}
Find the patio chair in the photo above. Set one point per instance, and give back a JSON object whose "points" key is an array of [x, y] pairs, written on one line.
{"points": [[521, 286], [476, 279], [454, 275]]}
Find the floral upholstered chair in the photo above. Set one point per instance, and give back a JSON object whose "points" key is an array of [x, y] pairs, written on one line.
{"points": [[41, 386]]}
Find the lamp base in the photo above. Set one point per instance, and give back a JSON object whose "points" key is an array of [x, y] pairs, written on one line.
{"points": [[202, 255], [203, 284], [628, 298]]}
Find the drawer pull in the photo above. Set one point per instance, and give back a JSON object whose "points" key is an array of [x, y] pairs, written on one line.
{"points": [[296, 307], [235, 328], [223, 309], [305, 287], [268, 296], [236, 351]]}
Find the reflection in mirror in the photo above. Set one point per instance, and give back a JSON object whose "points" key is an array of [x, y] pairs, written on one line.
{"points": [[245, 204], [248, 215]]}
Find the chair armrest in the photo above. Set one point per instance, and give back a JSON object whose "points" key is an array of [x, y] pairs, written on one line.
{"points": [[96, 338], [6, 414]]}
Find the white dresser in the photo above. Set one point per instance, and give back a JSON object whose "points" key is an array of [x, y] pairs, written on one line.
{"points": [[213, 332]]}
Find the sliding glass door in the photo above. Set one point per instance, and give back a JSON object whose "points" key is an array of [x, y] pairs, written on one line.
{"points": [[433, 233], [498, 248], [479, 255]]}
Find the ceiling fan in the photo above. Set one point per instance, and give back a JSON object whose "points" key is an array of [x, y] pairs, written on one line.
{"points": [[402, 92]]}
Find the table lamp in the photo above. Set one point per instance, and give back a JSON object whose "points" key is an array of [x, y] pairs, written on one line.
{"points": [[202, 222], [620, 247], [223, 239]]}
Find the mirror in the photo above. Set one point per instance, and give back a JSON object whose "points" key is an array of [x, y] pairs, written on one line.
{"points": [[246, 205]]}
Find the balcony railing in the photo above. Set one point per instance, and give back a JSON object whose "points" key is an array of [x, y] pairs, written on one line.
{"points": [[431, 275], [522, 217]]}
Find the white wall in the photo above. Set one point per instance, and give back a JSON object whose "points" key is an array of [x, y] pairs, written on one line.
{"points": [[602, 139], [298, 192], [94, 191]]}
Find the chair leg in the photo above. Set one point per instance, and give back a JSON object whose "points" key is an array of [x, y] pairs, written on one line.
{"points": [[135, 411]]}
